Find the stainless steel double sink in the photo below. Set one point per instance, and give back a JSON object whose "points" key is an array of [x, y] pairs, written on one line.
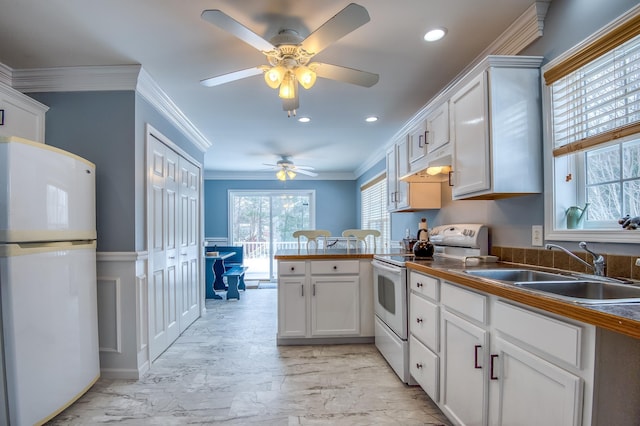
{"points": [[578, 288]]}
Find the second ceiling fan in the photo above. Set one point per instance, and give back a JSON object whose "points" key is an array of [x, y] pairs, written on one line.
{"points": [[289, 55]]}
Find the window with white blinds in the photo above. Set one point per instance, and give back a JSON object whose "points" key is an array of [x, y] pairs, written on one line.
{"points": [[373, 208], [598, 102]]}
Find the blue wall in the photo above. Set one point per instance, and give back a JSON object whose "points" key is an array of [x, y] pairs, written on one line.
{"points": [[108, 129], [335, 202]]}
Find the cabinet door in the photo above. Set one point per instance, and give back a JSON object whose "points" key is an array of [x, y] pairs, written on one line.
{"points": [[417, 142], [391, 179], [471, 140], [437, 134], [464, 374], [292, 309], [20, 115], [335, 306], [402, 169], [531, 391]]}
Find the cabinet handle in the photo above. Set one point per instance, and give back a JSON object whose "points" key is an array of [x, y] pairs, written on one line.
{"points": [[293, 268], [335, 268], [418, 320], [418, 284], [418, 365], [426, 139], [420, 144], [475, 362], [493, 377], [450, 176], [183, 254], [314, 290], [302, 292], [172, 257]]}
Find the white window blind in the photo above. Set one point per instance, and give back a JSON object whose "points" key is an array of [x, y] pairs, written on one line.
{"points": [[373, 208], [599, 101]]}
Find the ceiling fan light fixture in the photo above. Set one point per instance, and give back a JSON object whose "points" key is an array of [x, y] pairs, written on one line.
{"points": [[274, 76], [281, 175], [306, 76], [291, 174], [288, 86]]}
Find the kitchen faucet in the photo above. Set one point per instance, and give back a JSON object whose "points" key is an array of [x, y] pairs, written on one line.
{"points": [[598, 261]]}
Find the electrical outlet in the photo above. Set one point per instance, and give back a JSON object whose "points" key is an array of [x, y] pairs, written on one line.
{"points": [[536, 235]]}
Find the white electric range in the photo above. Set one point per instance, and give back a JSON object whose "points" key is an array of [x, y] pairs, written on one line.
{"points": [[463, 242]]}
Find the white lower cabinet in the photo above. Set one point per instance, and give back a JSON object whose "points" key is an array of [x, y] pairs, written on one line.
{"points": [[292, 321], [335, 306], [531, 391], [464, 370], [324, 299], [494, 362]]}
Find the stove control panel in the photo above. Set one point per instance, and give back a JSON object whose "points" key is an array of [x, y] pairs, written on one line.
{"points": [[468, 235]]}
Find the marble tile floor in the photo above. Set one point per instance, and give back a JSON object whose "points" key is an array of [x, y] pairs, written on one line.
{"points": [[227, 369]]}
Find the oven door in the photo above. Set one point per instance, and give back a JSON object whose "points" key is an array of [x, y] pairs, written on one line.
{"points": [[390, 296]]}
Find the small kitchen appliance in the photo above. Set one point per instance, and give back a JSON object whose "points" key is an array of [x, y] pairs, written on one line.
{"points": [[423, 249], [464, 242]]}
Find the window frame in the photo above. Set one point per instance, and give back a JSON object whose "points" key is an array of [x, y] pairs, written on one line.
{"points": [[551, 172], [379, 179]]}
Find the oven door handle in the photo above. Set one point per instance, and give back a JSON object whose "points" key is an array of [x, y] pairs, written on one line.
{"points": [[384, 267]]}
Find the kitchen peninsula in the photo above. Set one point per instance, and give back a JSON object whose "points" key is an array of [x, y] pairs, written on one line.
{"points": [[325, 296]]}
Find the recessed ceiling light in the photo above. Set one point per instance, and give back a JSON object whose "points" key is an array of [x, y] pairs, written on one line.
{"points": [[304, 119], [371, 119], [435, 34]]}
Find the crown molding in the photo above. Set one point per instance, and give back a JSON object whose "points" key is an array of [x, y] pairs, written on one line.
{"points": [[106, 78], [151, 91], [228, 175], [77, 79], [6, 75]]}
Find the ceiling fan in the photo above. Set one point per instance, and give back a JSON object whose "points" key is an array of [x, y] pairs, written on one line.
{"points": [[286, 169], [289, 54]]}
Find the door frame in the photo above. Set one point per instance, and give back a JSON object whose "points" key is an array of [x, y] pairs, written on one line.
{"points": [[151, 133]]}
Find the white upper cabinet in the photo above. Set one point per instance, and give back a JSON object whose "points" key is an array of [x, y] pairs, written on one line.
{"points": [[21, 115], [496, 129], [417, 141], [437, 128]]}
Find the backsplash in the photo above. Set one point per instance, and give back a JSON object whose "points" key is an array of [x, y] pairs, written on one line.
{"points": [[617, 266]]}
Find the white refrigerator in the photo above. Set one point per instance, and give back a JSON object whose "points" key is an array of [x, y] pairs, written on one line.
{"points": [[49, 348]]}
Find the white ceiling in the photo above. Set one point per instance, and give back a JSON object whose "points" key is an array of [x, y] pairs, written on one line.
{"points": [[244, 119]]}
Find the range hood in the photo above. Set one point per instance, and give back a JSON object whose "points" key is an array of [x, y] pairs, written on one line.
{"points": [[429, 174]]}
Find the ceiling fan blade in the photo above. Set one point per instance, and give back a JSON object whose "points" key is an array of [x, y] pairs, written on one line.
{"points": [[305, 172], [348, 19], [348, 75], [303, 167], [227, 23], [232, 76]]}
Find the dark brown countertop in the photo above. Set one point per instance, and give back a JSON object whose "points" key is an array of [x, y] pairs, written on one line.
{"points": [[622, 318]]}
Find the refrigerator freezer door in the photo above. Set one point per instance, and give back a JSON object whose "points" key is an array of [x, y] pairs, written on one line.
{"points": [[46, 194], [49, 326]]}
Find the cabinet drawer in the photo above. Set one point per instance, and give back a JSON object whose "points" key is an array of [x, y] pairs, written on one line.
{"points": [[328, 267], [425, 285], [291, 268], [547, 335], [423, 366], [424, 321], [466, 303]]}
